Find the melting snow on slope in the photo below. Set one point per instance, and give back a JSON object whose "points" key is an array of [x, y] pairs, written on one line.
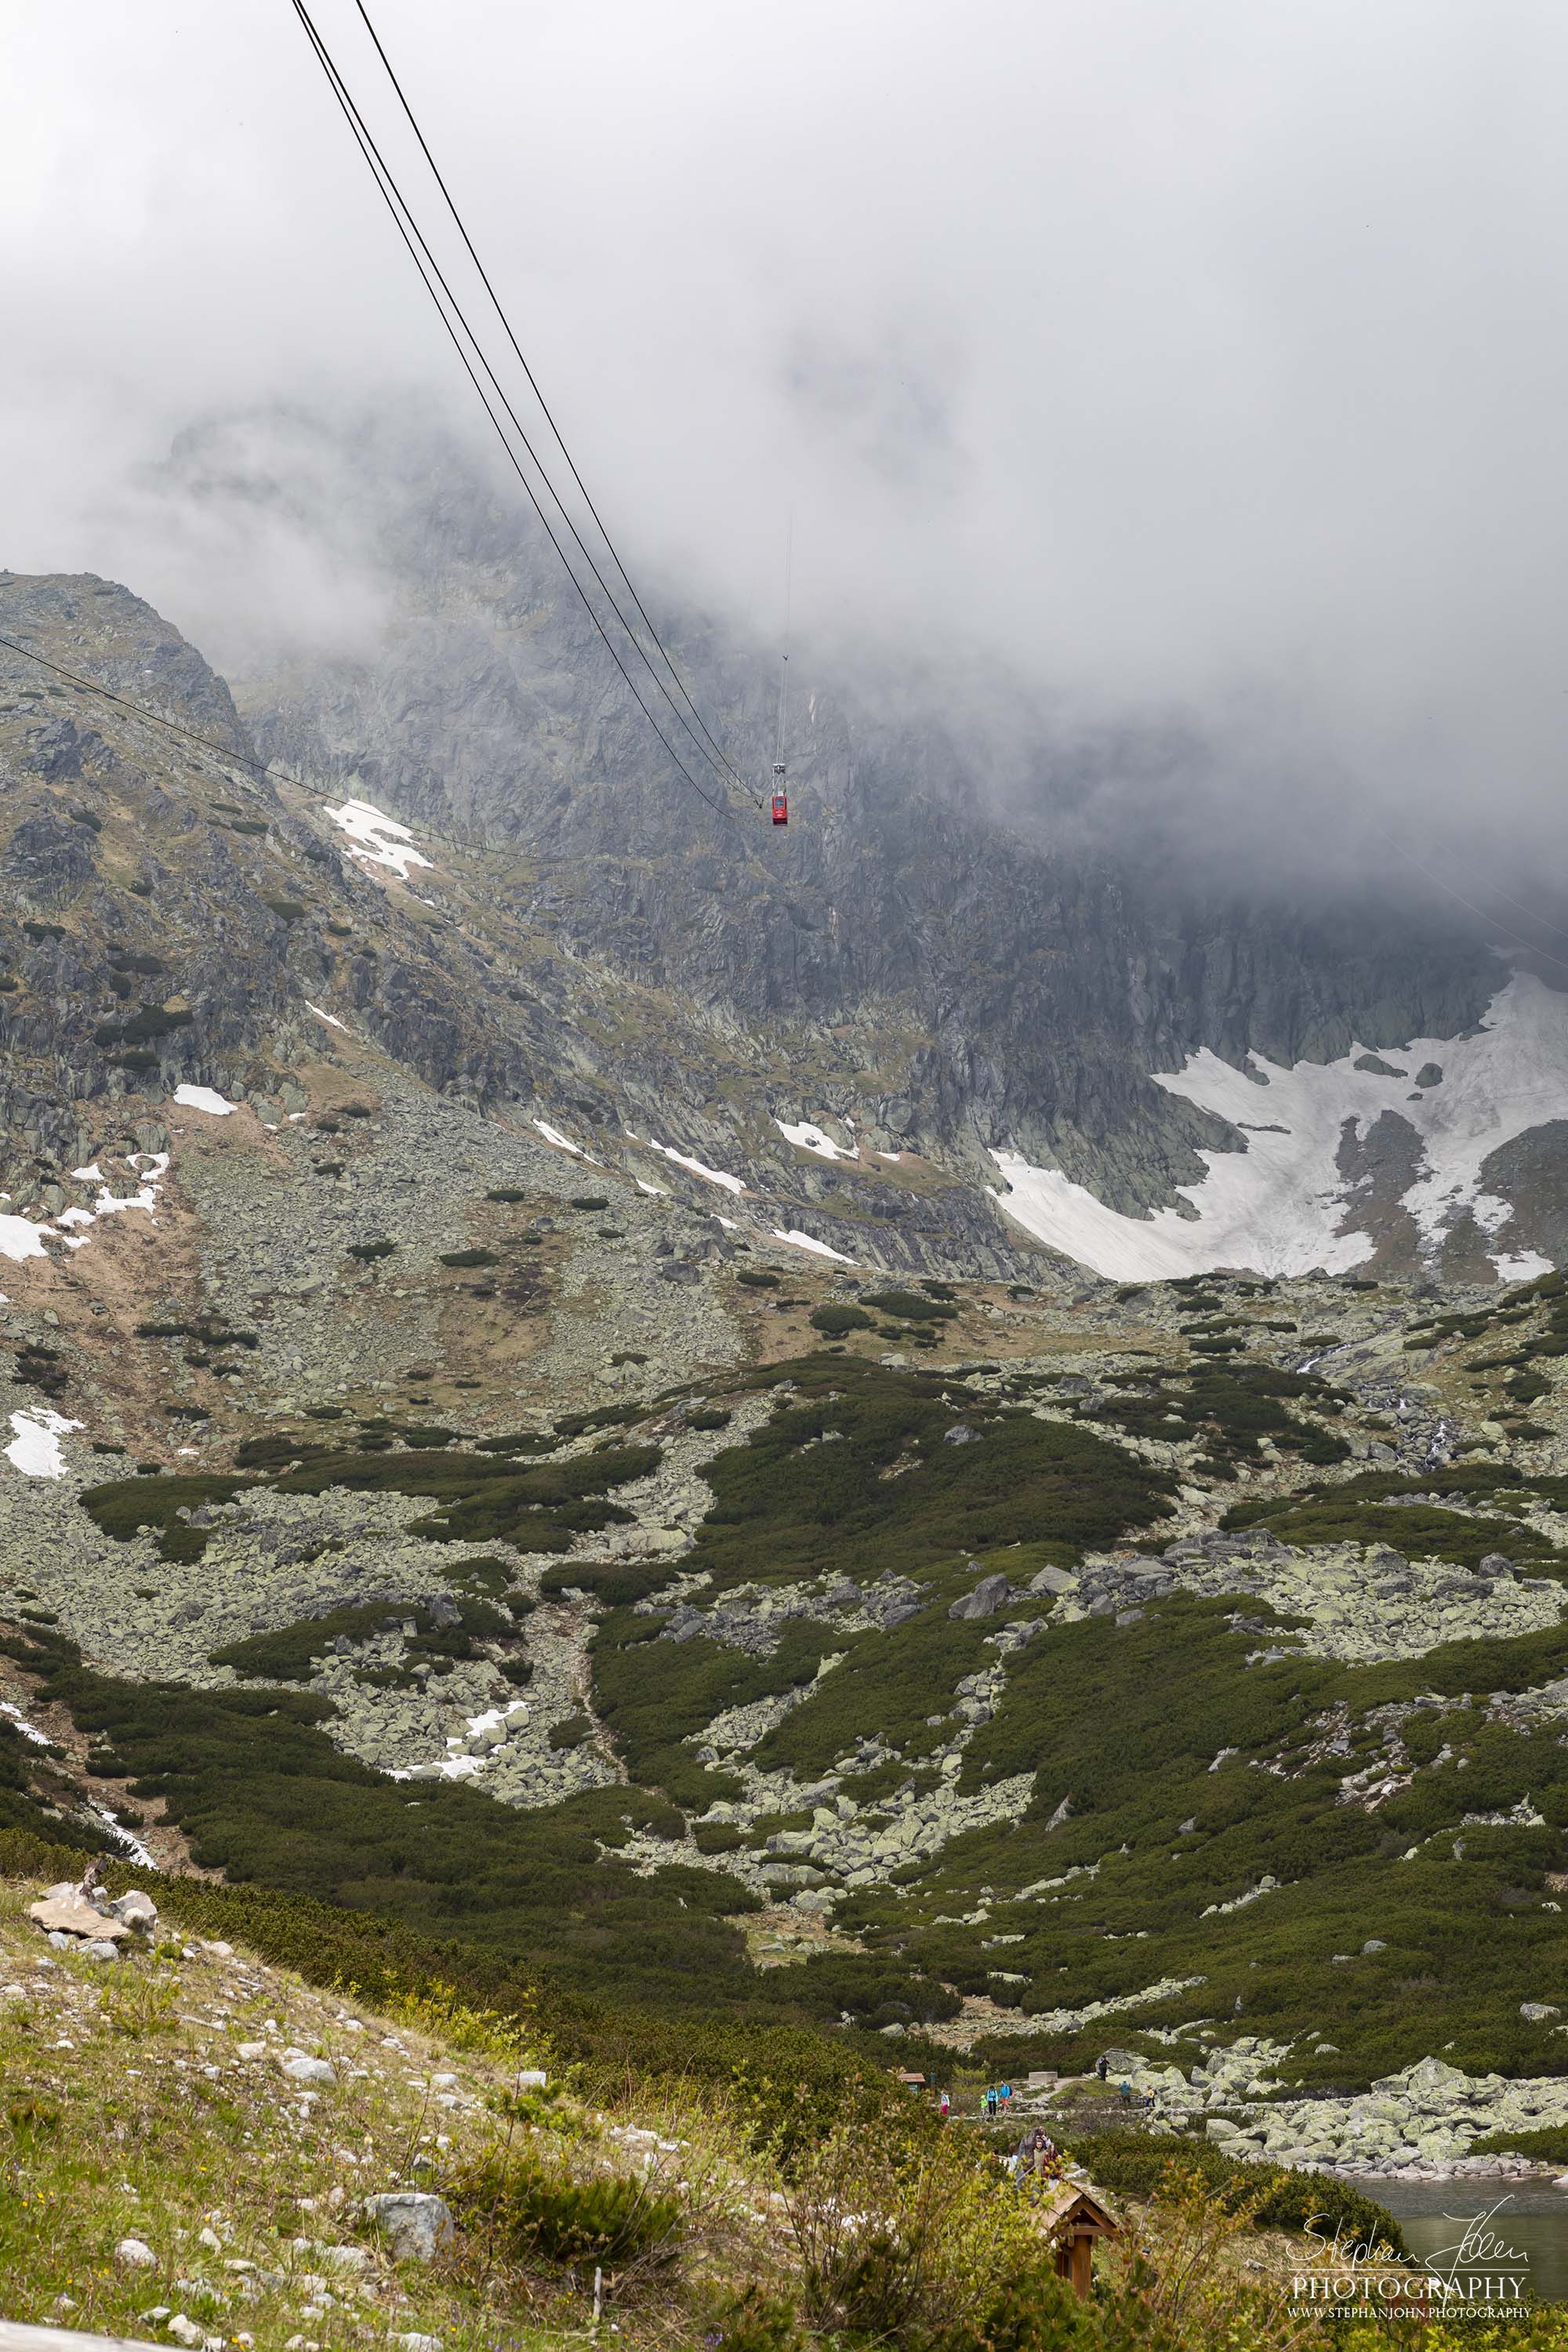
{"points": [[805, 1241], [811, 1138], [658, 1191], [561, 1142], [1282, 1206], [379, 839], [36, 1448], [130, 1843], [20, 1238], [206, 1098], [697, 1166], [468, 1751], [29, 1730], [330, 1018]]}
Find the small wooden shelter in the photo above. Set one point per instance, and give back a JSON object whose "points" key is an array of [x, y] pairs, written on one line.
{"points": [[1073, 2217]]}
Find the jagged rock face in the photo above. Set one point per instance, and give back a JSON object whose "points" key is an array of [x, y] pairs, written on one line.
{"points": [[591, 935], [1034, 983]]}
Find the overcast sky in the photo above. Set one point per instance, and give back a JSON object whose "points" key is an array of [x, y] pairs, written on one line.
{"points": [[1209, 356]]}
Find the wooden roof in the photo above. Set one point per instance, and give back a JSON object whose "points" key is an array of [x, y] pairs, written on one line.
{"points": [[1068, 2204]]}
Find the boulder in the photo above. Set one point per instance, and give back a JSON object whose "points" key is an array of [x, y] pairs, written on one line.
{"points": [[135, 2255], [414, 2224], [300, 2067], [992, 1592], [71, 1915], [1536, 2013], [136, 1909], [1054, 1581]]}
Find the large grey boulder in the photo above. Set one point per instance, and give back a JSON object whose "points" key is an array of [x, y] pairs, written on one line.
{"points": [[1053, 1579], [71, 1915], [414, 2224], [992, 1592]]}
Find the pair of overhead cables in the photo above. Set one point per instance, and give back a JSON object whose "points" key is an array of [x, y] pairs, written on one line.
{"points": [[663, 679]]}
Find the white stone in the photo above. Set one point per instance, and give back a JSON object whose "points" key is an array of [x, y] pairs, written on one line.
{"points": [[135, 2255], [300, 2067]]}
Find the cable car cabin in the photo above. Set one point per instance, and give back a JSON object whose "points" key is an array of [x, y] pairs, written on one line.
{"points": [[781, 799]]}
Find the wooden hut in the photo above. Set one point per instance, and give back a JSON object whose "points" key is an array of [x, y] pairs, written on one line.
{"points": [[1073, 2218]]}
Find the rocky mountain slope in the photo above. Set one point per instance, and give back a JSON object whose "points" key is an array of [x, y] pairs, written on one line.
{"points": [[522, 1437]]}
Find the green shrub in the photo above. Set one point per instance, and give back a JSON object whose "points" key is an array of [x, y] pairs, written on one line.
{"points": [[151, 1022], [756, 1279], [508, 1192], [617, 1583], [1023, 1481], [287, 911], [469, 1257], [366, 1251], [910, 1305], [1135, 2163], [709, 1417], [530, 2209], [752, 2318], [572, 1732], [1549, 2146], [836, 1320], [592, 1201], [127, 1504], [289, 1655]]}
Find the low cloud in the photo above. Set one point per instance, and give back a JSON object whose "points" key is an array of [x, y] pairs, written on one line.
{"points": [[1199, 373]]}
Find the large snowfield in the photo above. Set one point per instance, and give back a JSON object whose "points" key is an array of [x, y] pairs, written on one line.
{"points": [[1282, 1206]]}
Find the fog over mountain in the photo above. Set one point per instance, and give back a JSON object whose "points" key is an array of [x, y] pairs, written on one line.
{"points": [[1199, 379]]}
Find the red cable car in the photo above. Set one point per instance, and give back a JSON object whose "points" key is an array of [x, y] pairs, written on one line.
{"points": [[781, 798]]}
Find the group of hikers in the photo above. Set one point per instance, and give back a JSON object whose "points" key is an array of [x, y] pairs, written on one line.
{"points": [[1037, 2157]]}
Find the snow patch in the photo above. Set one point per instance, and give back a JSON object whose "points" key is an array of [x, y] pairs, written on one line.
{"points": [[92, 1174], [1523, 1267], [206, 1098], [29, 1730], [128, 1843], [36, 1448], [1282, 1207], [379, 839], [808, 1137], [561, 1142], [19, 1238], [805, 1241], [697, 1166], [330, 1018], [656, 1190]]}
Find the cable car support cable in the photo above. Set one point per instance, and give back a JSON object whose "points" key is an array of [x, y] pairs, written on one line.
{"points": [[441, 294], [545, 410]]}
